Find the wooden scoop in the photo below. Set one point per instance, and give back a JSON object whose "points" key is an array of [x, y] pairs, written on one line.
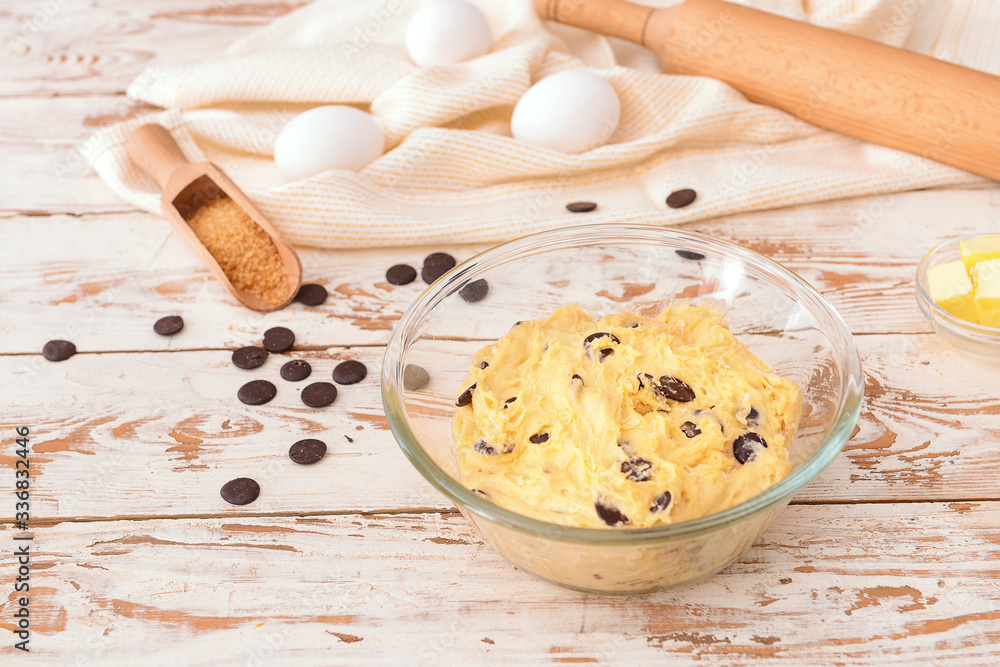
{"points": [[855, 86], [189, 185]]}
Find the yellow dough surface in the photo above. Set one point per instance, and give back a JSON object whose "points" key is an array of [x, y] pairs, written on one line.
{"points": [[640, 425]]}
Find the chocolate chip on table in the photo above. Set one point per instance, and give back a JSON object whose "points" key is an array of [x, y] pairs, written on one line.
{"points": [[690, 254], [58, 350], [169, 325], [307, 451], [249, 357], [278, 339], [581, 207], [257, 392], [753, 417], [539, 438], [745, 446], [295, 370], [311, 295], [661, 502], [319, 394], [401, 274], [414, 377], [475, 291], [674, 389], [610, 515], [690, 429], [466, 397], [349, 372], [638, 470], [240, 491], [681, 198], [436, 265]]}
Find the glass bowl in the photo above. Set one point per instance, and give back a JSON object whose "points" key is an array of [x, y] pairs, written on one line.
{"points": [[975, 340], [612, 268]]}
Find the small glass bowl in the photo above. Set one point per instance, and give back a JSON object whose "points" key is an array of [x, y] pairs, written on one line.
{"points": [[610, 268], [974, 340]]}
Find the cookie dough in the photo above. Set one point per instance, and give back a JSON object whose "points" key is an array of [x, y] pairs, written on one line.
{"points": [[623, 421]]}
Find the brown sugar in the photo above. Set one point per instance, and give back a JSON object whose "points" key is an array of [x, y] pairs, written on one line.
{"points": [[243, 250]]}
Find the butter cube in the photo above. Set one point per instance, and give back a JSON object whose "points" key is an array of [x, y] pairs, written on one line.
{"points": [[951, 289], [979, 249], [987, 279]]}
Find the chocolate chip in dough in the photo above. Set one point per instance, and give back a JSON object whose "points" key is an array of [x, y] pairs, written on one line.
{"points": [[307, 451], [58, 350], [600, 334], [674, 389], [249, 357], [661, 502], [485, 448], [295, 370], [610, 515], [605, 352], [690, 429], [257, 392], [509, 401], [475, 291], [350, 372], [436, 265], [466, 397], [581, 207], [576, 377], [319, 394], [753, 417], [484, 365], [401, 274], [311, 295], [240, 491], [539, 438], [638, 470], [169, 325], [681, 198], [480, 492], [278, 339], [745, 447], [414, 377]]}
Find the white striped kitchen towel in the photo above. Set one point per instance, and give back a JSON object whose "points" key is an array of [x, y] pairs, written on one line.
{"points": [[452, 172]]}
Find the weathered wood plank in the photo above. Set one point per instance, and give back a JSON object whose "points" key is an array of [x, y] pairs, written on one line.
{"points": [[860, 585], [64, 47], [44, 144], [60, 280], [161, 432]]}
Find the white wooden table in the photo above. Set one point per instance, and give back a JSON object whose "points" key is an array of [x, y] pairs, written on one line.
{"points": [[893, 555]]}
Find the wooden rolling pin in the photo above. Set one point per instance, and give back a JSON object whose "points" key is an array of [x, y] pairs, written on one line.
{"points": [[855, 86]]}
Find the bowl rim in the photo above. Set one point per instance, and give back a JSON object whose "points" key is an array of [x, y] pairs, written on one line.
{"points": [[936, 314], [836, 436]]}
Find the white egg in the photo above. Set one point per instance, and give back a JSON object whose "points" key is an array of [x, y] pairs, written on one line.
{"points": [[446, 32], [331, 137], [571, 112]]}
